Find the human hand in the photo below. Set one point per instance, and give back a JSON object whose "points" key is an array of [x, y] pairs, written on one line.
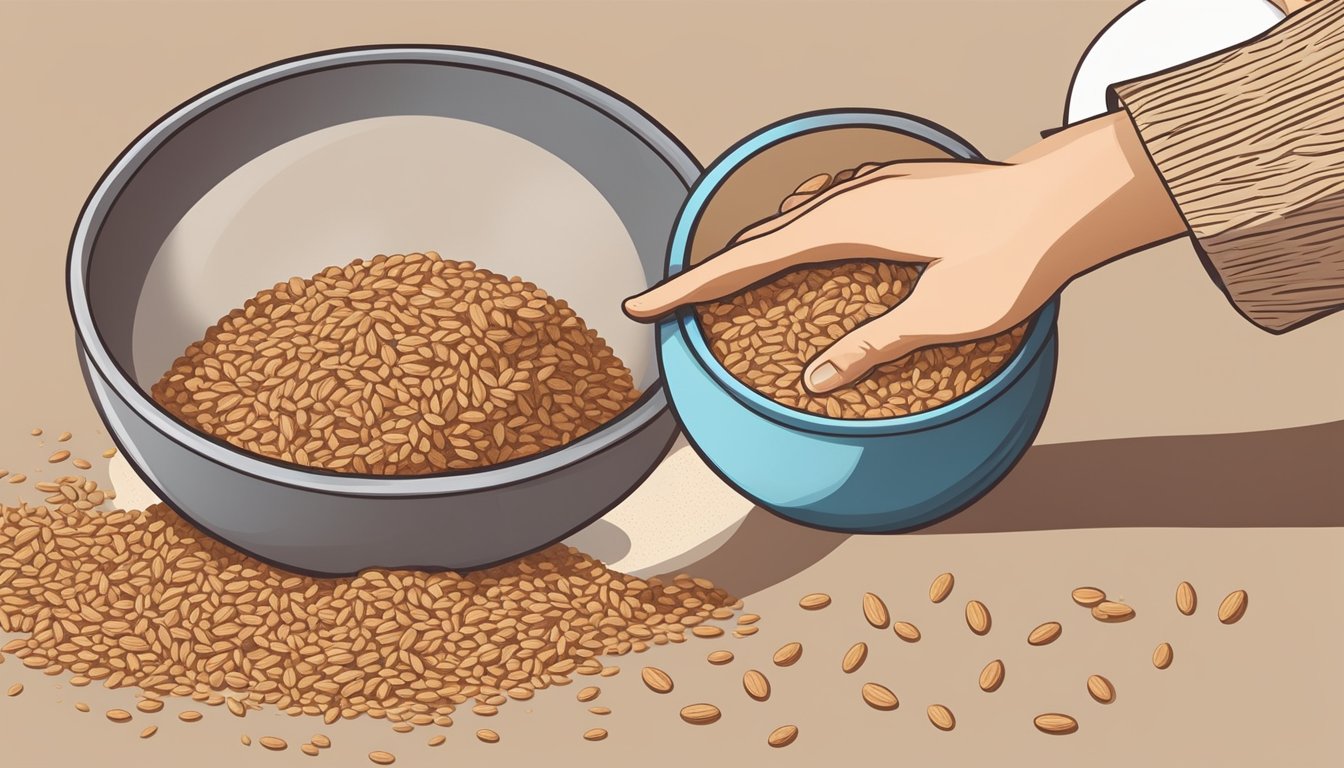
{"points": [[996, 241]]}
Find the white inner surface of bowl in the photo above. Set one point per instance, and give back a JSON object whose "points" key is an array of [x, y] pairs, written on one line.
{"points": [[393, 184]]}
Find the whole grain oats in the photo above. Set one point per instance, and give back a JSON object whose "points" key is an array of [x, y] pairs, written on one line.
{"points": [[766, 335], [400, 365], [141, 598]]}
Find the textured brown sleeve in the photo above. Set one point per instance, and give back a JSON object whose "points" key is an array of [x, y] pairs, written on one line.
{"points": [[1250, 143]]}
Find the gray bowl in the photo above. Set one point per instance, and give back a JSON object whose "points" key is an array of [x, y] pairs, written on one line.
{"points": [[341, 155]]}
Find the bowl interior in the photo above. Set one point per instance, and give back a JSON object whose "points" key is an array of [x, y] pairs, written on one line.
{"points": [[286, 173]]}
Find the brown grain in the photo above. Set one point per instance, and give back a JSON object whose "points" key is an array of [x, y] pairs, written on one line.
{"points": [[118, 715], [379, 757], [815, 601], [435, 741], [854, 657], [991, 677], [756, 685], [589, 693], [783, 736], [1185, 598], [400, 365], [274, 743], [656, 679], [788, 654], [1111, 611], [189, 716], [1055, 723], [1088, 596], [488, 736], [595, 734], [600, 710], [941, 587], [58, 457], [15, 689], [63, 437], [320, 741], [1045, 634], [700, 714], [875, 611], [878, 696], [1101, 689], [720, 657], [1162, 656], [977, 617], [941, 717], [149, 731], [906, 631], [1233, 607]]}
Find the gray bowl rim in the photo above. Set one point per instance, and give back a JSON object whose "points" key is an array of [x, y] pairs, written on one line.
{"points": [[684, 327], [89, 341]]}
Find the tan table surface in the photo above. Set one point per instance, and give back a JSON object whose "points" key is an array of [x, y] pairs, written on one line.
{"points": [[1148, 349]]}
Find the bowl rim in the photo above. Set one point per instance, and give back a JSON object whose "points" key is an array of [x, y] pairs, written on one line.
{"points": [[92, 215], [684, 325]]}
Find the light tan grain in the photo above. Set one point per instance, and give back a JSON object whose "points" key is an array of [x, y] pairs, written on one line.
{"points": [[782, 736], [941, 717], [879, 696], [991, 677], [977, 617], [700, 714], [788, 654], [1186, 599], [854, 657], [1233, 607], [1100, 689]]}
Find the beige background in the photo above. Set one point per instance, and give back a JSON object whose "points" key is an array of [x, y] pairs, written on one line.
{"points": [[1149, 348]]}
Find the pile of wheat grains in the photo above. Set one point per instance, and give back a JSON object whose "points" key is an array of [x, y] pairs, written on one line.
{"points": [[766, 335], [140, 598], [401, 365]]}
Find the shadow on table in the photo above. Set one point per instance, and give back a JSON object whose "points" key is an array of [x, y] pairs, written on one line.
{"points": [[1280, 478]]}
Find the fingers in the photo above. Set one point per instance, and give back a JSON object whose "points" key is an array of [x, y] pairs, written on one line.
{"points": [[811, 239], [886, 338]]}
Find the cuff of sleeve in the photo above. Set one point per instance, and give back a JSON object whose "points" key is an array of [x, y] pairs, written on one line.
{"points": [[1247, 143]]}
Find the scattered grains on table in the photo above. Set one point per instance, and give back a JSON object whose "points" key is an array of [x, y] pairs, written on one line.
{"points": [[941, 587], [407, 727], [756, 685], [16, 479], [700, 714], [977, 617], [783, 736], [36, 432], [1045, 634], [399, 365], [81, 706], [488, 736], [58, 457], [1233, 607], [748, 618], [189, 716], [1111, 611], [600, 710], [118, 715], [746, 631], [1101, 689], [1162, 656], [815, 601], [788, 654], [720, 657], [1055, 723], [706, 631], [595, 734], [184, 615], [941, 717], [906, 631], [320, 741], [149, 731], [656, 679], [1088, 596], [1185, 598], [382, 758], [879, 696], [15, 689], [81, 464], [274, 743], [435, 741], [310, 750], [485, 710], [64, 436], [875, 611], [245, 740], [109, 453], [149, 705], [854, 657], [589, 693]]}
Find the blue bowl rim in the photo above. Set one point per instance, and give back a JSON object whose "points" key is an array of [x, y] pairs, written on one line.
{"points": [[684, 326]]}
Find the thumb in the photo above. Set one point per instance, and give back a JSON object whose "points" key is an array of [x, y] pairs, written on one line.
{"points": [[881, 340]]}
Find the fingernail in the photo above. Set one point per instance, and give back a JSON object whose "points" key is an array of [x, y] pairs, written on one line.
{"points": [[823, 377]]}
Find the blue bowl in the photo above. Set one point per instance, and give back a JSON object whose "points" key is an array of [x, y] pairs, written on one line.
{"points": [[871, 476]]}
